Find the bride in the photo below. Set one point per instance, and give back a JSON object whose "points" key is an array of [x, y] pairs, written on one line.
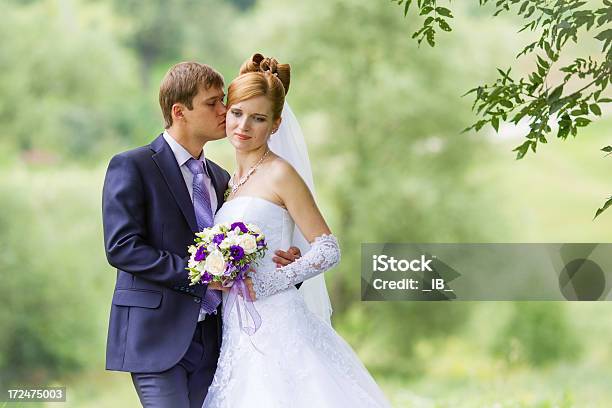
{"points": [[294, 358]]}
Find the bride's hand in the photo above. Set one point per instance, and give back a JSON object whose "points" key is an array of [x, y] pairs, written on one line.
{"points": [[249, 285], [248, 282], [218, 286]]}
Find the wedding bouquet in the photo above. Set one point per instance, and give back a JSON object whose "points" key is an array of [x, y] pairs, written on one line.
{"points": [[224, 253]]}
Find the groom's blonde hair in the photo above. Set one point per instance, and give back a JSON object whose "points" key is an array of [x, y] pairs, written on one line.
{"points": [[261, 76], [182, 82]]}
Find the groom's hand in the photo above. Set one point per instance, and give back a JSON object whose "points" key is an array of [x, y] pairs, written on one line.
{"points": [[283, 258]]}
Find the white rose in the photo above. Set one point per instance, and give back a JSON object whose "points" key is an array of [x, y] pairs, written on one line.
{"points": [[215, 264], [230, 239], [248, 243]]}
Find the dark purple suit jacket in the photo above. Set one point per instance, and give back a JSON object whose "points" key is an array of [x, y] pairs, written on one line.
{"points": [[149, 221]]}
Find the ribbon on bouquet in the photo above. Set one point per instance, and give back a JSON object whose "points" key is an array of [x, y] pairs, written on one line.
{"points": [[238, 287]]}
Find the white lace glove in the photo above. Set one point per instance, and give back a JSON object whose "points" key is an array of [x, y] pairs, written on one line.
{"points": [[324, 254]]}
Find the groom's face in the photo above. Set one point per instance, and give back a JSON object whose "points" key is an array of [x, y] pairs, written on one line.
{"points": [[207, 118]]}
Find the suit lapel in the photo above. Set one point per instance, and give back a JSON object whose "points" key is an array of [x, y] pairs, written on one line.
{"points": [[166, 162]]}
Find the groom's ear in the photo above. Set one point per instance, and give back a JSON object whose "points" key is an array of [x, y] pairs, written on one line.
{"points": [[177, 111]]}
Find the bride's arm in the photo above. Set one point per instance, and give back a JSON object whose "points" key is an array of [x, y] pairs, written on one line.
{"points": [[324, 250]]}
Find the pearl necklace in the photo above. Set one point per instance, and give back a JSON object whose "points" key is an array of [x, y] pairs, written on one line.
{"points": [[234, 187]]}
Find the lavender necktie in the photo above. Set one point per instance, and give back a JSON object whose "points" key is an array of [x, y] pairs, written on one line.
{"points": [[204, 218]]}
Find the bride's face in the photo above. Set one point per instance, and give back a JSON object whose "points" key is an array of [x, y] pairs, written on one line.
{"points": [[249, 123]]}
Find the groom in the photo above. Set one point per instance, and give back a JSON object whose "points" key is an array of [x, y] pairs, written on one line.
{"points": [[166, 333]]}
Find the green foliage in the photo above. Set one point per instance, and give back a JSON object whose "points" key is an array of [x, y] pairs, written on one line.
{"points": [[434, 16], [166, 32], [557, 22], [154, 31], [52, 268], [75, 81], [537, 334], [66, 99], [604, 207], [541, 96], [243, 4]]}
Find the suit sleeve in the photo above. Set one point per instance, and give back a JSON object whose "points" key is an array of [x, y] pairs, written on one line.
{"points": [[123, 213]]}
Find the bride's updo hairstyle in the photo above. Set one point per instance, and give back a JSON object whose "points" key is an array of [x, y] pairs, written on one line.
{"points": [[261, 76]]}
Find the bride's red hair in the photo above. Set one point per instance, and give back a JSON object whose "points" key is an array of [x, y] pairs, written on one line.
{"points": [[261, 76]]}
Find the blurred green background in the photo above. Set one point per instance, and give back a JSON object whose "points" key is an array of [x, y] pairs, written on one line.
{"points": [[79, 82]]}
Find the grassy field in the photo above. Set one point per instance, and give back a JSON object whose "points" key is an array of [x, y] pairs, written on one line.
{"points": [[458, 374]]}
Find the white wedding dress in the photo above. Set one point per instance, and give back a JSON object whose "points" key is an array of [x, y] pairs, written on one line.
{"points": [[294, 359]]}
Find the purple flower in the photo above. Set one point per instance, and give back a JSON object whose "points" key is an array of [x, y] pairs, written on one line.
{"points": [[240, 225], [229, 269], [237, 253], [206, 277], [217, 239], [200, 254], [261, 243]]}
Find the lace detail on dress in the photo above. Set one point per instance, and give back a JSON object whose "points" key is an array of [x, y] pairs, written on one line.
{"points": [[287, 371], [323, 255]]}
